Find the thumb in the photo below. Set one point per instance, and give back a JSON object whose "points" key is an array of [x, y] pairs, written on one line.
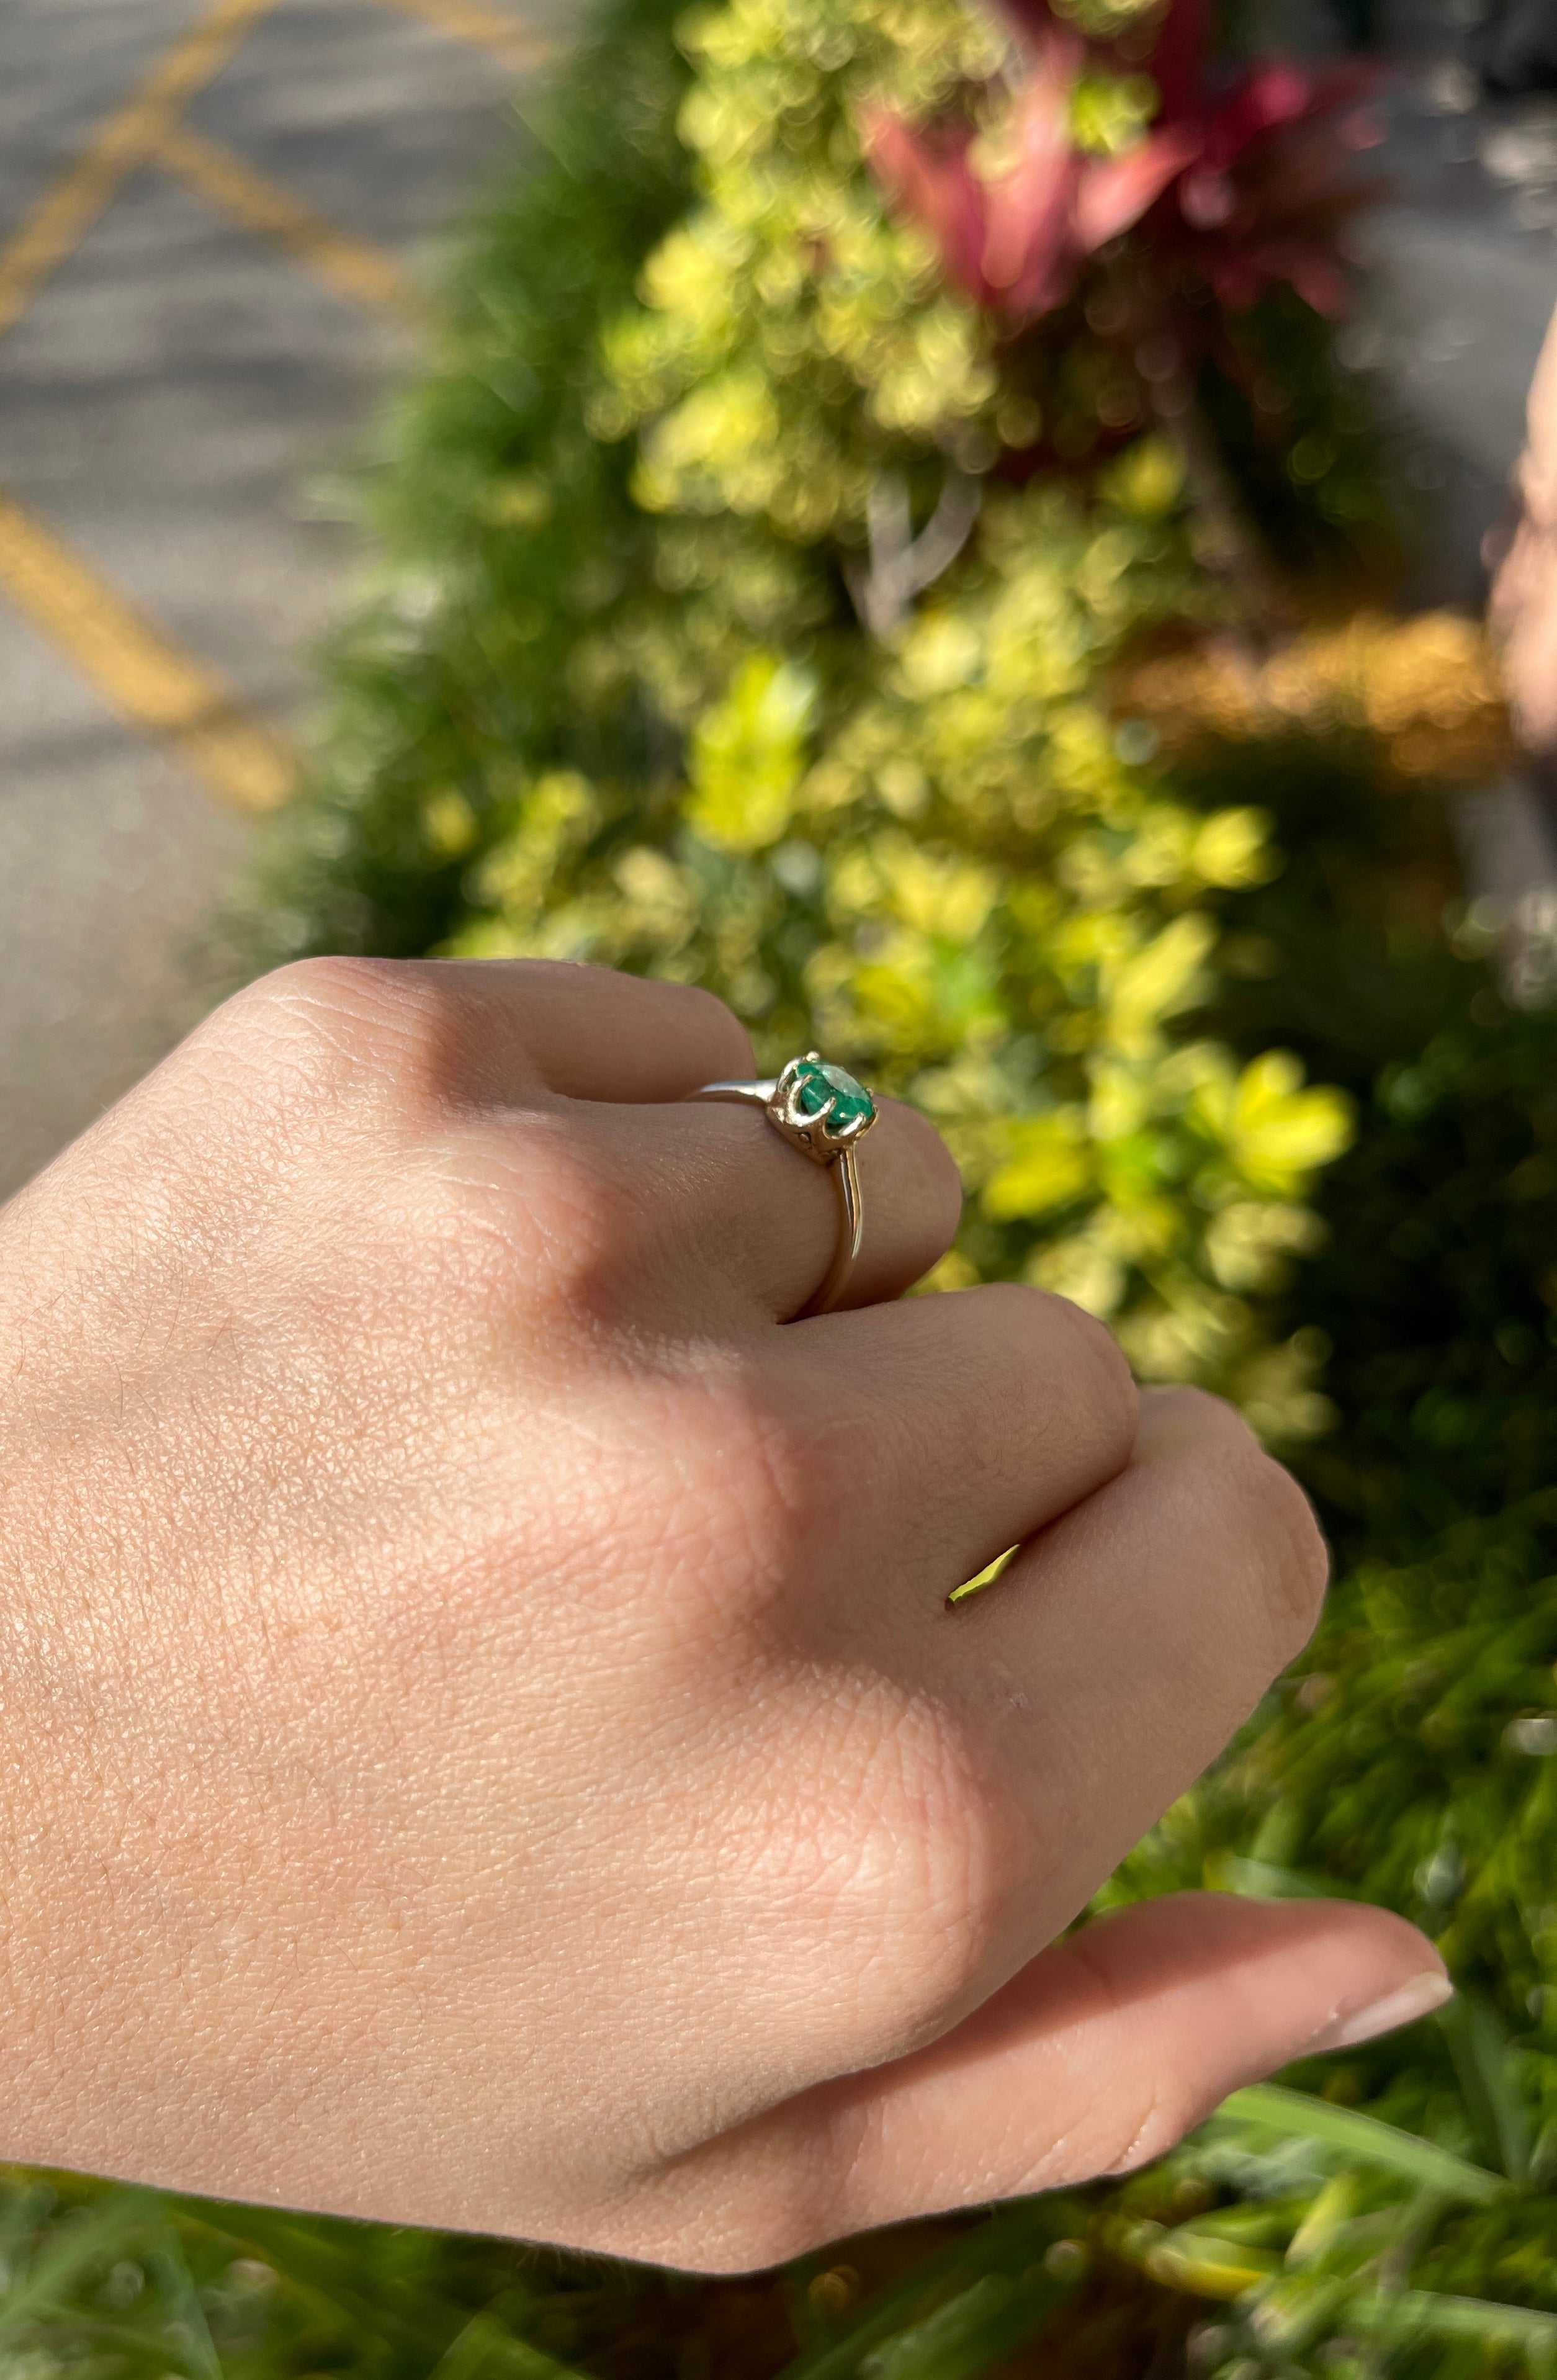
{"points": [[1108, 2047]]}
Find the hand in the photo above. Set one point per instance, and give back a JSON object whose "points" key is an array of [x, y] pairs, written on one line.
{"points": [[484, 1740]]}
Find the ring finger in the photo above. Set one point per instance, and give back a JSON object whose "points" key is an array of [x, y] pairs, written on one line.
{"points": [[750, 1225], [718, 1206]]}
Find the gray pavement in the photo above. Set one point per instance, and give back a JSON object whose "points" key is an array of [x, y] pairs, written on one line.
{"points": [[172, 401], [63, 64], [109, 860], [163, 406], [1462, 263]]}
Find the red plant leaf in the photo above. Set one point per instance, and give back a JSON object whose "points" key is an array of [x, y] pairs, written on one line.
{"points": [[930, 179], [1029, 240], [1116, 191], [1177, 60]]}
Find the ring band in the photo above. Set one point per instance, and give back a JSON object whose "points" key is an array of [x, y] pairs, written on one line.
{"points": [[822, 1111]]}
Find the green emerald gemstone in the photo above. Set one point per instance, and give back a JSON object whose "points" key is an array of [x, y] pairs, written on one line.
{"points": [[818, 1083]]}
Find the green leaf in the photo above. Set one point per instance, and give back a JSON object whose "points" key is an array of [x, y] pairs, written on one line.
{"points": [[972, 2331], [486, 2349], [1047, 1164], [748, 754], [1007, 2244], [167, 2268], [1424, 2313], [1485, 2063], [1365, 2139], [77, 2245]]}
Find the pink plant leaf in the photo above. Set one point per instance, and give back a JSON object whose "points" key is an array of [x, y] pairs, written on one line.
{"points": [[931, 180], [1029, 239], [1032, 22], [1245, 184], [1321, 283], [1116, 191], [1277, 95]]}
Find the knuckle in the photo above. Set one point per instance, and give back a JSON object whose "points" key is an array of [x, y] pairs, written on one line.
{"points": [[940, 1183], [766, 1490], [1299, 1556], [718, 1030], [760, 1471], [1081, 1389], [722, 1495], [526, 1214], [1114, 1397], [805, 1468], [318, 992], [861, 1813], [340, 1027], [1270, 1522], [1098, 1380]]}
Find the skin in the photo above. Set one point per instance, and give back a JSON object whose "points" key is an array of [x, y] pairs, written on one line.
{"points": [[484, 1742], [1521, 554]]}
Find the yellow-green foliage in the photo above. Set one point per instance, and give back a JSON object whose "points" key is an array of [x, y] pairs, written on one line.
{"points": [[916, 837], [792, 334], [937, 861]]}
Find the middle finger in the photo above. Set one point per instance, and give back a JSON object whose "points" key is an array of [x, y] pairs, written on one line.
{"points": [[1140, 1630], [948, 1428]]}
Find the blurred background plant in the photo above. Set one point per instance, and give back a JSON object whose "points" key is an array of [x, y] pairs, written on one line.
{"points": [[888, 536]]}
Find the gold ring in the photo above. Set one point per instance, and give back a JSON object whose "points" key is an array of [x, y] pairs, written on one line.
{"points": [[822, 1111]]}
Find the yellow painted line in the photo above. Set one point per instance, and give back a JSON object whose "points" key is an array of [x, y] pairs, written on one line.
{"points": [[486, 28], [149, 681], [350, 268], [67, 210]]}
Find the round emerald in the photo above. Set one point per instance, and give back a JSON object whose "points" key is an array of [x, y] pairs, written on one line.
{"points": [[819, 1085]]}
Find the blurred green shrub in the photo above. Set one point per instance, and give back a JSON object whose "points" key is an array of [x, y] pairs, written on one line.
{"points": [[745, 633], [503, 531], [936, 856]]}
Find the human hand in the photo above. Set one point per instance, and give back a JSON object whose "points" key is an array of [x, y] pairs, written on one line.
{"points": [[485, 1743]]}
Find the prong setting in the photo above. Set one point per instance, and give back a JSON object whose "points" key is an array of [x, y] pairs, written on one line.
{"points": [[820, 1109]]}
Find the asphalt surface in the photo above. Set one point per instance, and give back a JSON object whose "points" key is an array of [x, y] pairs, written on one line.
{"points": [[176, 394]]}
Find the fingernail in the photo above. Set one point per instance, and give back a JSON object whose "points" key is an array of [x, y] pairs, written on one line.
{"points": [[1418, 1997]]}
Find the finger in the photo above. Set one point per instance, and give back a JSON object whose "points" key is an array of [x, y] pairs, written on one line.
{"points": [[755, 1222], [752, 1212], [947, 1429], [509, 1026], [1125, 1644], [1101, 2054]]}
